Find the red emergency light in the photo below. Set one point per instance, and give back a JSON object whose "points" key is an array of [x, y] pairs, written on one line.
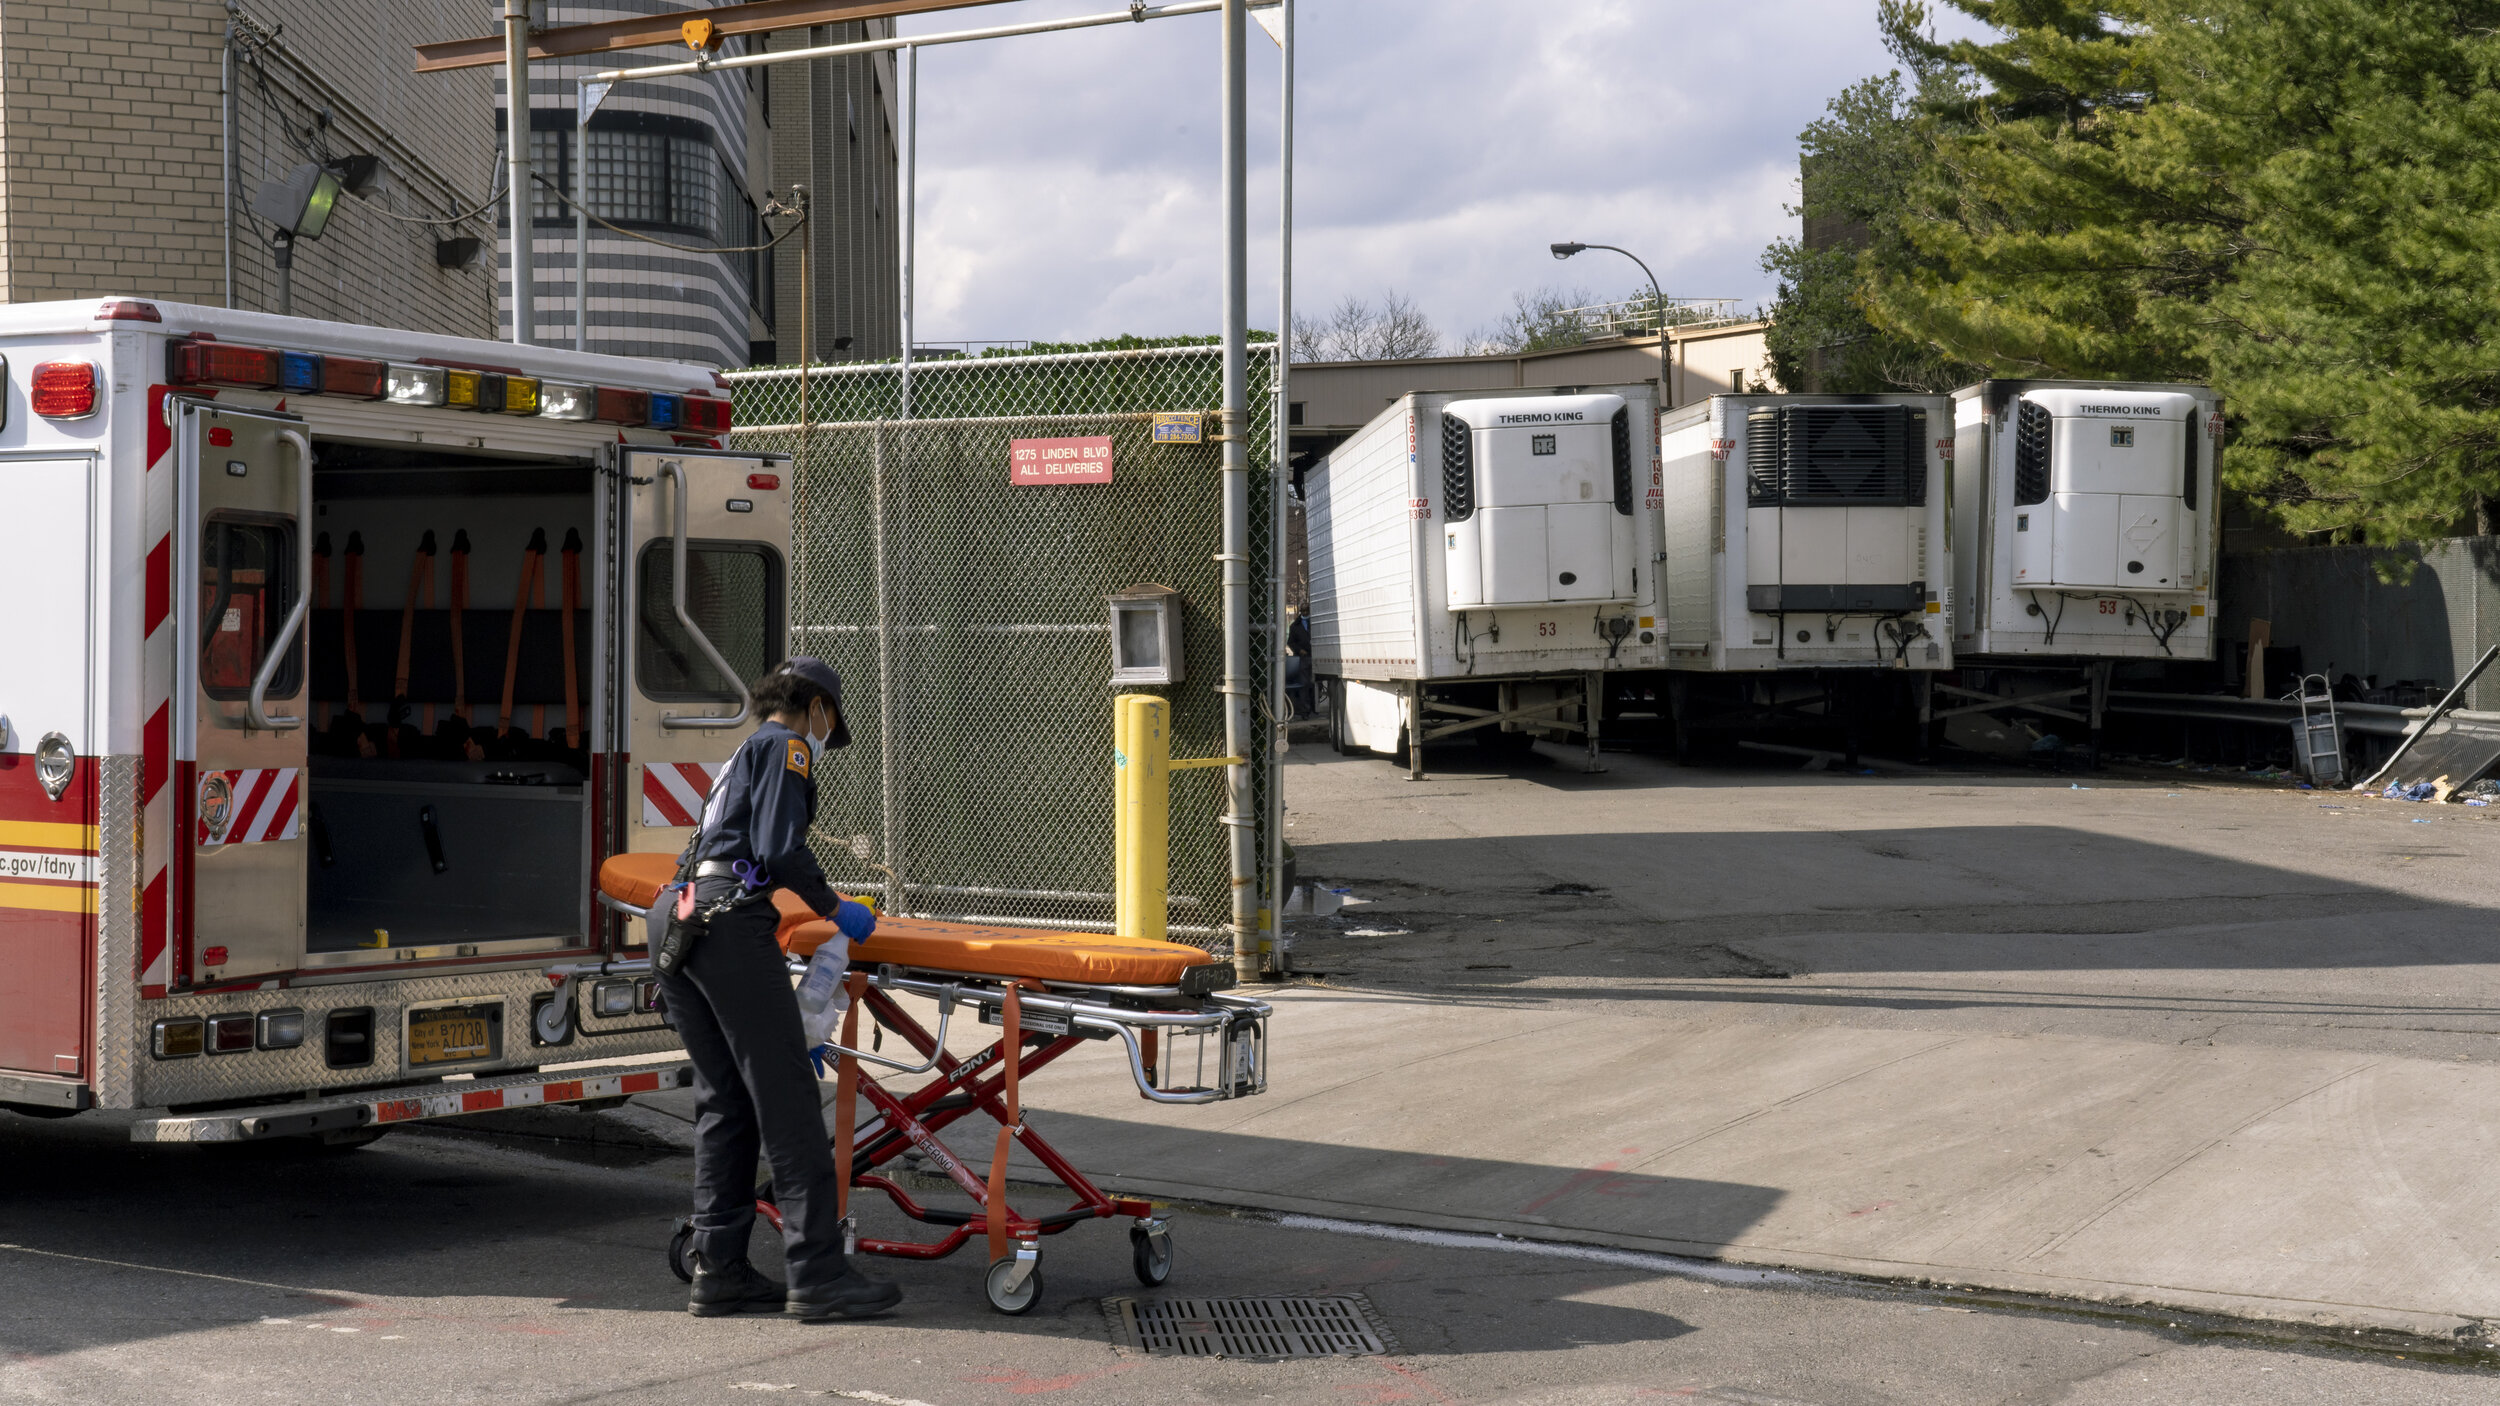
{"points": [[707, 414], [63, 390], [195, 363], [354, 376], [623, 407], [127, 310]]}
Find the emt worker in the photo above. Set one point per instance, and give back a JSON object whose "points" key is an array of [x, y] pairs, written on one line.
{"points": [[732, 1003]]}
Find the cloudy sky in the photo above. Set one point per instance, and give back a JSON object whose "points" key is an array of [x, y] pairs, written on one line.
{"points": [[1068, 182]]}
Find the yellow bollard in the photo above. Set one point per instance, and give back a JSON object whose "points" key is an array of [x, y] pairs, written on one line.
{"points": [[1141, 753]]}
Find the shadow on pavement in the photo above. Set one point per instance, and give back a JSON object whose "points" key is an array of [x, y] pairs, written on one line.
{"points": [[103, 1241]]}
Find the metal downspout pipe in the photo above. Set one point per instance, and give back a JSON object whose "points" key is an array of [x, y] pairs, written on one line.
{"points": [[1239, 737], [516, 127]]}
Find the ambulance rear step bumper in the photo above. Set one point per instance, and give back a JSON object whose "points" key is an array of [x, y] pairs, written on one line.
{"points": [[414, 1103]]}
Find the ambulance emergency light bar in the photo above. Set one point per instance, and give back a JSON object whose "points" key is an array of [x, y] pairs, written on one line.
{"points": [[202, 360]]}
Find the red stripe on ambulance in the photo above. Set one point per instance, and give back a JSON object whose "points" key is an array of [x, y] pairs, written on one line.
{"points": [[673, 792]]}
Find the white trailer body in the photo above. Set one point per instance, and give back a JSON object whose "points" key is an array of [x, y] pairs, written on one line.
{"points": [[275, 831], [1807, 532], [2087, 523], [1483, 537]]}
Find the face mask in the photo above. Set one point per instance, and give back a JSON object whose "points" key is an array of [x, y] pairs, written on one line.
{"points": [[819, 728]]}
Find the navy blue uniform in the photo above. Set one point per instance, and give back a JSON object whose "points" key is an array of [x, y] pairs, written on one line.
{"points": [[731, 1002]]}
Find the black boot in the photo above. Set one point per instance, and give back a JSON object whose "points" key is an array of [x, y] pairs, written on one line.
{"points": [[854, 1295], [735, 1287]]}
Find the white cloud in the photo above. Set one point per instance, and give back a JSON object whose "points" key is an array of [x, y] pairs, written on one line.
{"points": [[1069, 187]]}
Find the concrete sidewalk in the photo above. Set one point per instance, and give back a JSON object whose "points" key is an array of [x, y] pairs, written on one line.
{"points": [[2207, 1047], [2317, 1187]]}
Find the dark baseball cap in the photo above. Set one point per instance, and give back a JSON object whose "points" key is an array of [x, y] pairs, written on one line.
{"points": [[821, 674]]}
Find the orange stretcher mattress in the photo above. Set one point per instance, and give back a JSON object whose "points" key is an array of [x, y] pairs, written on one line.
{"points": [[1092, 958]]}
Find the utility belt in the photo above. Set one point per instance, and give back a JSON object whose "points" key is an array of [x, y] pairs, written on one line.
{"points": [[689, 921]]}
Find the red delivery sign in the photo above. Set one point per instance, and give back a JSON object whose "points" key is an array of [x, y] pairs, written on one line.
{"points": [[1049, 461]]}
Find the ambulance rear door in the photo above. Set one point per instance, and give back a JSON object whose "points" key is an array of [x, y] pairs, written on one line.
{"points": [[242, 557], [705, 565]]}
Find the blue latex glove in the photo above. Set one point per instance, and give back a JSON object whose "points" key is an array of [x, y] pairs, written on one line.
{"points": [[856, 920]]}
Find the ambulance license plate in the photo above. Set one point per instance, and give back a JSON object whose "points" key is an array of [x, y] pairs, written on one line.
{"points": [[455, 1034]]}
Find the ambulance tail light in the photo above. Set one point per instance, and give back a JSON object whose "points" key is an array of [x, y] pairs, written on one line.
{"points": [[560, 400], [180, 1038], [230, 1034], [355, 377], [280, 1030], [623, 407], [764, 483], [127, 310], [197, 363], [300, 372], [668, 412], [707, 414], [63, 390], [414, 385]]}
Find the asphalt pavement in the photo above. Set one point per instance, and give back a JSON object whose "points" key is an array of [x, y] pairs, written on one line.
{"points": [[449, 1266]]}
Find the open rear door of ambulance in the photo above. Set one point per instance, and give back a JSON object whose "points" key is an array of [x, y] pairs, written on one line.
{"points": [[242, 558], [705, 564]]}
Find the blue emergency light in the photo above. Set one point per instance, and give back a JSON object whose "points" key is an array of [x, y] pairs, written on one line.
{"points": [[299, 372], [668, 412]]}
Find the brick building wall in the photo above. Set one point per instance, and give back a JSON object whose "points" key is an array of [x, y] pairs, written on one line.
{"points": [[112, 177]]}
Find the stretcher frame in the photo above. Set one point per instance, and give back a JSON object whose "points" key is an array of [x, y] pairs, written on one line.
{"points": [[1055, 1017]]}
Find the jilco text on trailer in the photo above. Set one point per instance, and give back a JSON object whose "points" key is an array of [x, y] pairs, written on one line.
{"points": [[1808, 542], [1479, 563], [2088, 530], [340, 658]]}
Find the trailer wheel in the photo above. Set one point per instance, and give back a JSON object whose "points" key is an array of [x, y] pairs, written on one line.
{"points": [[1336, 717]]}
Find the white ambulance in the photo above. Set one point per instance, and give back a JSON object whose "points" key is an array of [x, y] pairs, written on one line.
{"points": [[336, 660]]}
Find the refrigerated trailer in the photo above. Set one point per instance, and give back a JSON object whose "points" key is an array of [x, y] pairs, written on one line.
{"points": [[1806, 532], [2087, 531], [338, 659], [1808, 559], [1479, 562]]}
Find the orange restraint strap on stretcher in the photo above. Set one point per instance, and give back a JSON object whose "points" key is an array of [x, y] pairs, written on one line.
{"points": [[1092, 958]]}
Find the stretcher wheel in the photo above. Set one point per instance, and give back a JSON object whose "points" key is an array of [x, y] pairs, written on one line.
{"points": [[1151, 1255], [1025, 1296], [678, 1263]]}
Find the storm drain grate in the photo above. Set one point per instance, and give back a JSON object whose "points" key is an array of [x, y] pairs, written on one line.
{"points": [[1341, 1325]]}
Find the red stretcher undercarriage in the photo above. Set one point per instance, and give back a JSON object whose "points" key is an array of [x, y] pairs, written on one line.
{"points": [[1048, 991]]}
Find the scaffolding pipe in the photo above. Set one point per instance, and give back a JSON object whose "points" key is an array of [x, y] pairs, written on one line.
{"points": [[516, 131], [1234, 557], [1138, 15], [911, 204]]}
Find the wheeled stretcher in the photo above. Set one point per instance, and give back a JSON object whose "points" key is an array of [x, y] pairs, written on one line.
{"points": [[1185, 1042]]}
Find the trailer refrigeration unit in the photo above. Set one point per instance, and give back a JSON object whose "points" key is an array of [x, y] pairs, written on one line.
{"points": [[1807, 546], [1479, 562], [338, 658], [2087, 531]]}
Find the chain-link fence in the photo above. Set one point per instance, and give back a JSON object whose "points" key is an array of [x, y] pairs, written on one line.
{"points": [[967, 614]]}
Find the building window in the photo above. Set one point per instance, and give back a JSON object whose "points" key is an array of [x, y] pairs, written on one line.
{"points": [[755, 266], [654, 178]]}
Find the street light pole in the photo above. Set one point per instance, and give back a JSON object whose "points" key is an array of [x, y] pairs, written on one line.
{"points": [[1666, 392]]}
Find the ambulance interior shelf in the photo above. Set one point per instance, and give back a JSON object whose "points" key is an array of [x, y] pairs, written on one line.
{"points": [[449, 746]]}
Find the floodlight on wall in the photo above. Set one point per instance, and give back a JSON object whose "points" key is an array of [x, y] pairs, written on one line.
{"points": [[1145, 635], [299, 202]]}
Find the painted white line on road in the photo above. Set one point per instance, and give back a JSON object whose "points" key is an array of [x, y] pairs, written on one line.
{"points": [[1594, 1254], [875, 1398], [185, 1273]]}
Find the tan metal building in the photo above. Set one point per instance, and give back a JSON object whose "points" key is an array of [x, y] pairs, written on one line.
{"points": [[1330, 400]]}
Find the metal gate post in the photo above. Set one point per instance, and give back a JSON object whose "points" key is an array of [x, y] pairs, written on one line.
{"points": [[887, 807], [1240, 809]]}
